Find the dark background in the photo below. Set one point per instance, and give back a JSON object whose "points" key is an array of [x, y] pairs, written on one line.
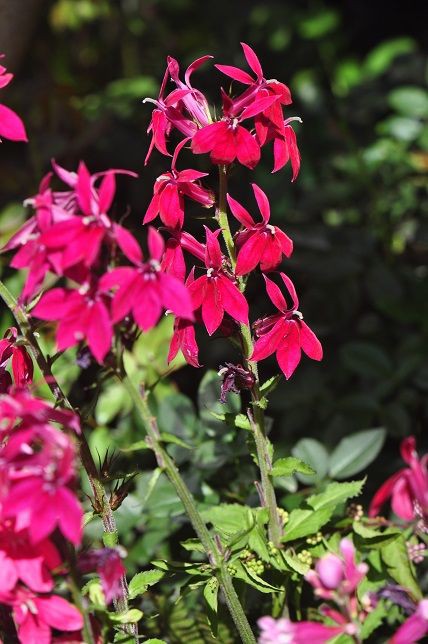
{"points": [[357, 213]]}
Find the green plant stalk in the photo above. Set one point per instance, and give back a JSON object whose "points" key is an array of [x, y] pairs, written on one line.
{"points": [[257, 419], [101, 502], [165, 462]]}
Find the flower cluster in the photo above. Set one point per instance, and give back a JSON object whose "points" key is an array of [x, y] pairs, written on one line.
{"points": [[36, 498]]}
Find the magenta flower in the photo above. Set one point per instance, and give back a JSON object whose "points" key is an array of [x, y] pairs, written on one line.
{"points": [[185, 108], [285, 333], [21, 559], [334, 574], [269, 123], [282, 631], [227, 139], [414, 628], [24, 408], [82, 315], [22, 365], [261, 243], [145, 290], [11, 126], [169, 192], [216, 291], [36, 615], [407, 488], [108, 564]]}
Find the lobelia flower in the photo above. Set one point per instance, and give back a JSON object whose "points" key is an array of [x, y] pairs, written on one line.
{"points": [[407, 488], [216, 292], [184, 109], [284, 333], [36, 615], [169, 192], [234, 378], [83, 315], [334, 574], [261, 243], [283, 631], [21, 559], [11, 126], [22, 365], [39, 464], [184, 337], [108, 564], [145, 290], [414, 628], [227, 140], [270, 124], [22, 407]]}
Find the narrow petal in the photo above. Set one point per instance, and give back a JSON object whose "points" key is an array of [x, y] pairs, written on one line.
{"points": [[212, 307], [59, 613], [285, 241], [171, 206], [148, 308], [234, 301], [127, 244], [309, 342], [252, 60], [250, 253], [402, 501], [83, 189], [175, 296], [213, 256], [289, 353], [197, 291], [258, 106], [241, 214], [205, 138], [248, 150], [155, 243], [153, 209], [235, 73], [272, 253], [52, 305], [70, 515], [99, 331], [262, 202], [291, 289], [384, 493], [106, 192], [290, 137], [11, 126], [275, 295]]}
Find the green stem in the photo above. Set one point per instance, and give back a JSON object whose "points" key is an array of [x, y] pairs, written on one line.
{"points": [[257, 419], [101, 502], [139, 398]]}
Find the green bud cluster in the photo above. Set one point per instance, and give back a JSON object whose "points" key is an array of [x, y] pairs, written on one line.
{"points": [[273, 551], [283, 515], [232, 570], [315, 539], [305, 557], [256, 566]]}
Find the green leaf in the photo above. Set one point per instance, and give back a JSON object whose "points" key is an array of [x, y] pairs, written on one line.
{"points": [[233, 420], [166, 437], [270, 385], [131, 616], [211, 594], [334, 494], [209, 400], [287, 467], [410, 101], [371, 538], [302, 523], [320, 24], [395, 557], [354, 453], [229, 518], [192, 545], [153, 640], [381, 57], [252, 579], [313, 453], [135, 447], [373, 620], [187, 567], [294, 562], [142, 580]]}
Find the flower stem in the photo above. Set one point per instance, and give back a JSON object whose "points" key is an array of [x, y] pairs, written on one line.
{"points": [[101, 502], [257, 418], [139, 398]]}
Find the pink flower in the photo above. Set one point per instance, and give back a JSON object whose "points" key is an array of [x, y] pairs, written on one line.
{"points": [[35, 615], [185, 108], [82, 315], [22, 365], [285, 333], [20, 559], [216, 291], [414, 628], [145, 290], [108, 564], [169, 192], [261, 243], [11, 126], [23, 407], [407, 488], [282, 631], [334, 574], [184, 337]]}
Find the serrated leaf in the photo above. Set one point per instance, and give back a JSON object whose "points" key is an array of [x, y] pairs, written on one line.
{"points": [[211, 594], [233, 420], [142, 580], [354, 453], [270, 385], [294, 562], [335, 493], [370, 538], [252, 579], [229, 518], [302, 523], [373, 620], [395, 557], [192, 545], [166, 437], [187, 568], [290, 465], [135, 447]]}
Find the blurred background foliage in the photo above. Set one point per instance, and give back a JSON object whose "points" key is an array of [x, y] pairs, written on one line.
{"points": [[357, 214]]}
